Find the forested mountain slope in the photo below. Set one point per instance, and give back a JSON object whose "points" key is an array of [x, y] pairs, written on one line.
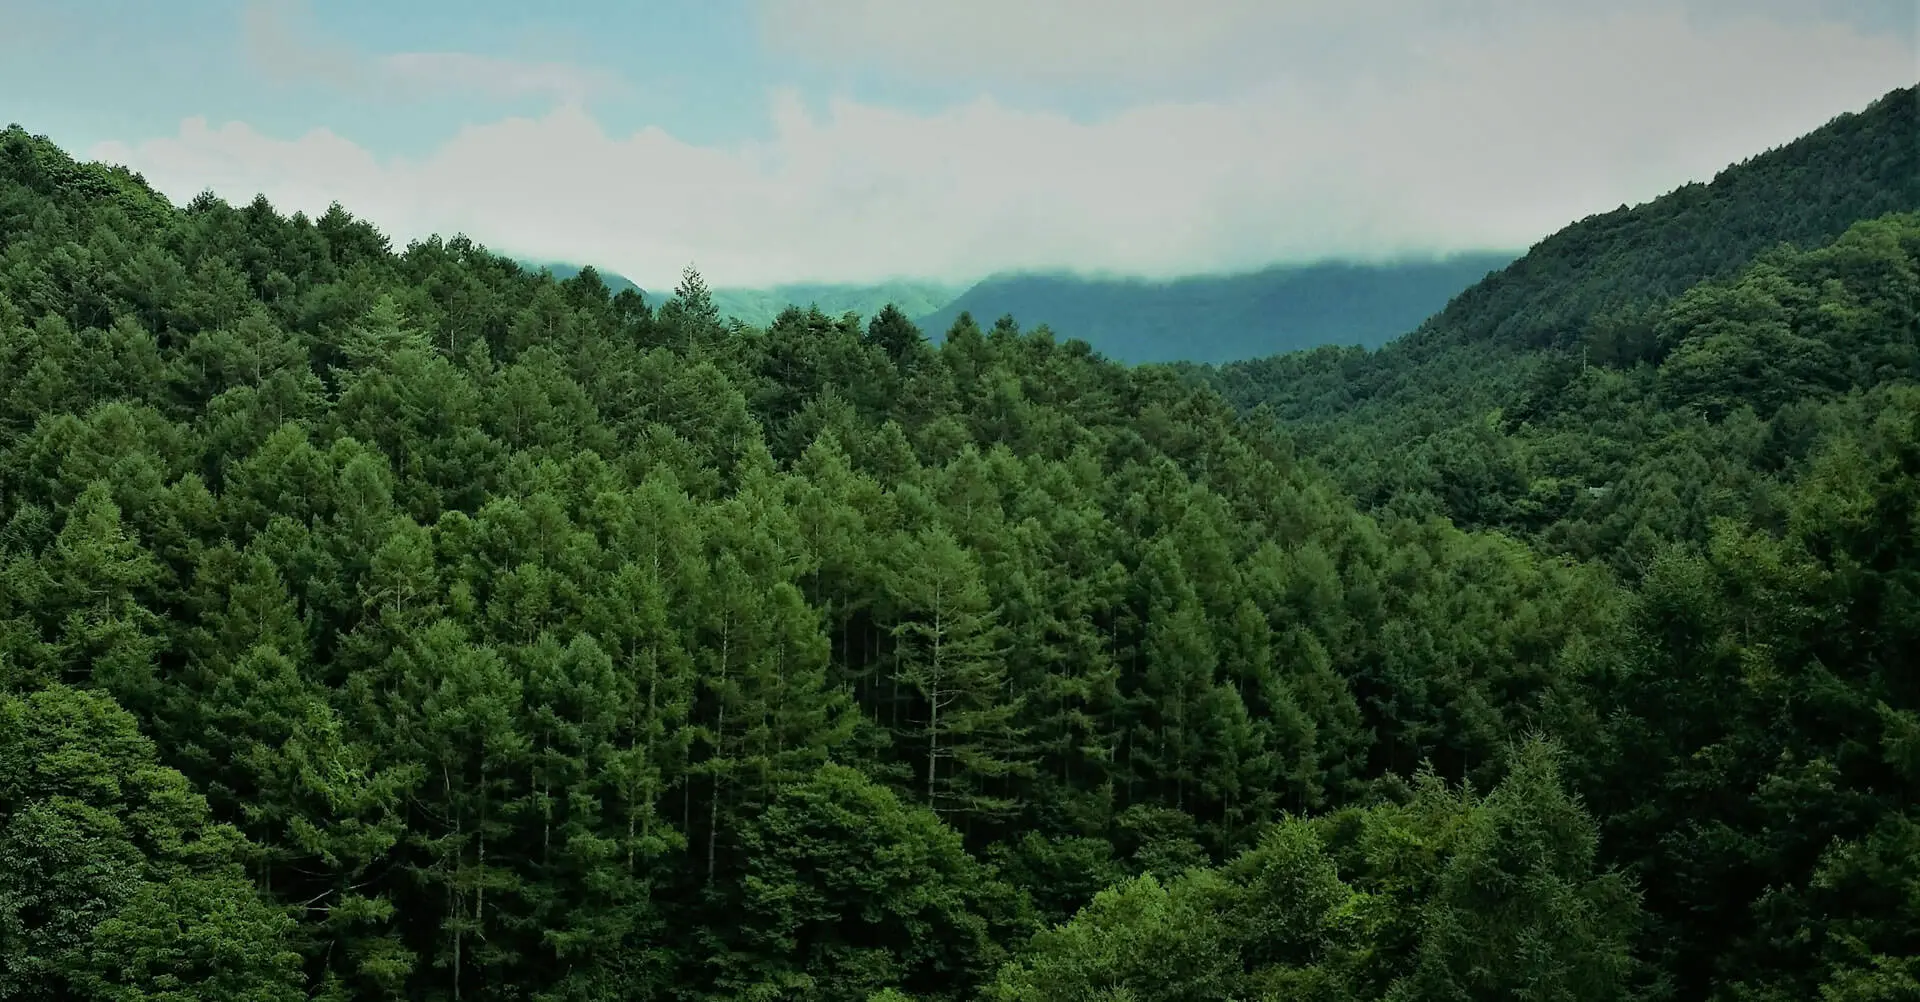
{"points": [[1859, 166], [410, 625], [1594, 288], [1456, 418], [1680, 440], [1221, 318]]}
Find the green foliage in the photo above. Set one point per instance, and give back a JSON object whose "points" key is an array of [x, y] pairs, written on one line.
{"points": [[117, 883], [412, 625], [1720, 418], [848, 890], [1450, 896]]}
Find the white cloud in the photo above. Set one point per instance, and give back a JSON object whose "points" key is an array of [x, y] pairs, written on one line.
{"points": [[1062, 39], [1494, 142], [1149, 44], [1223, 42]]}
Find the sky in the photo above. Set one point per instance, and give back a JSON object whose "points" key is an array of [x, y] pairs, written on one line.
{"points": [[771, 141]]}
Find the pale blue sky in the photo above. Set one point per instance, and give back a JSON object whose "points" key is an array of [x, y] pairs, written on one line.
{"points": [[134, 69], [780, 140]]}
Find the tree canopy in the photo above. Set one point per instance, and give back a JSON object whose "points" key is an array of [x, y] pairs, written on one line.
{"points": [[390, 623]]}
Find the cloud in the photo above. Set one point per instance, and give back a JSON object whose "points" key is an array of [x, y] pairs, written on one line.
{"points": [[1487, 143], [1155, 43], [280, 44]]}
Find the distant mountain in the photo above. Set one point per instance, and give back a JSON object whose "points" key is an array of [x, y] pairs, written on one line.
{"points": [[759, 307], [615, 282], [1222, 318]]}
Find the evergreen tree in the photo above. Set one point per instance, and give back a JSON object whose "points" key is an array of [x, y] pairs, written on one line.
{"points": [[950, 655]]}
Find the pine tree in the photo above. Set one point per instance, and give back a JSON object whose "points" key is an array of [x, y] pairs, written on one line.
{"points": [[951, 655]]}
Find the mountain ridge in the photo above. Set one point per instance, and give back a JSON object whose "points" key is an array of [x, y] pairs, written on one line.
{"points": [[1594, 289], [1867, 163], [1138, 319], [1220, 318]]}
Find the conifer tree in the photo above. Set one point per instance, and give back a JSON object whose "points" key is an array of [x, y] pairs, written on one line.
{"points": [[951, 655]]}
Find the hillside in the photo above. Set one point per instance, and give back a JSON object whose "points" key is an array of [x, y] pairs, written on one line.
{"points": [[1226, 317], [1591, 294], [385, 624], [1861, 165]]}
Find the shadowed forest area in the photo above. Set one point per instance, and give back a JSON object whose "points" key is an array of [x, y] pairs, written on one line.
{"points": [[390, 623]]}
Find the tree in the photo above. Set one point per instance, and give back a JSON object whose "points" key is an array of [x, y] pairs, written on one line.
{"points": [[1141, 941], [896, 335], [691, 315], [950, 655], [1519, 909], [849, 891], [114, 882]]}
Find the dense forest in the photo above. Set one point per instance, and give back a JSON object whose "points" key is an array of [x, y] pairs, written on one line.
{"points": [[409, 624]]}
